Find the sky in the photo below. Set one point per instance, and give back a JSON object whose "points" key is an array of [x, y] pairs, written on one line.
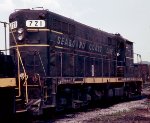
{"points": [[130, 18]]}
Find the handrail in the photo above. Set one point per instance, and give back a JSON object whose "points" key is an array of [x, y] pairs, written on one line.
{"points": [[42, 63], [20, 59]]}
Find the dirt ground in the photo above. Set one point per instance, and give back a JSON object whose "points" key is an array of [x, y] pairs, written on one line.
{"points": [[133, 116]]}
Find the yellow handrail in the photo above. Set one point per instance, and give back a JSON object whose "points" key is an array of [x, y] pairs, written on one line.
{"points": [[19, 58]]}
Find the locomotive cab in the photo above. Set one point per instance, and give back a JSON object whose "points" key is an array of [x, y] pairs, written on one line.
{"points": [[120, 59]]}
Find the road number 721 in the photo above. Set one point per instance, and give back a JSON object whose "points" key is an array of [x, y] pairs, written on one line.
{"points": [[35, 23]]}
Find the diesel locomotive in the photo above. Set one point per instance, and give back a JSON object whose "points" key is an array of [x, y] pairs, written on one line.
{"points": [[61, 63]]}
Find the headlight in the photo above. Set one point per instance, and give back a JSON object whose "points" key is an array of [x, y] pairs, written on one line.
{"points": [[20, 37], [20, 30], [20, 34]]}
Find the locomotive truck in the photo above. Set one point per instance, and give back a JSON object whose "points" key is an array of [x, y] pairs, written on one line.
{"points": [[62, 63]]}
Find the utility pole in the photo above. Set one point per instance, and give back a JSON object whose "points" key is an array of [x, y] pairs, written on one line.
{"points": [[5, 35]]}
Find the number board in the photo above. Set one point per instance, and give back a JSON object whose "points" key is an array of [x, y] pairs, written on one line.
{"points": [[35, 23], [13, 25]]}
